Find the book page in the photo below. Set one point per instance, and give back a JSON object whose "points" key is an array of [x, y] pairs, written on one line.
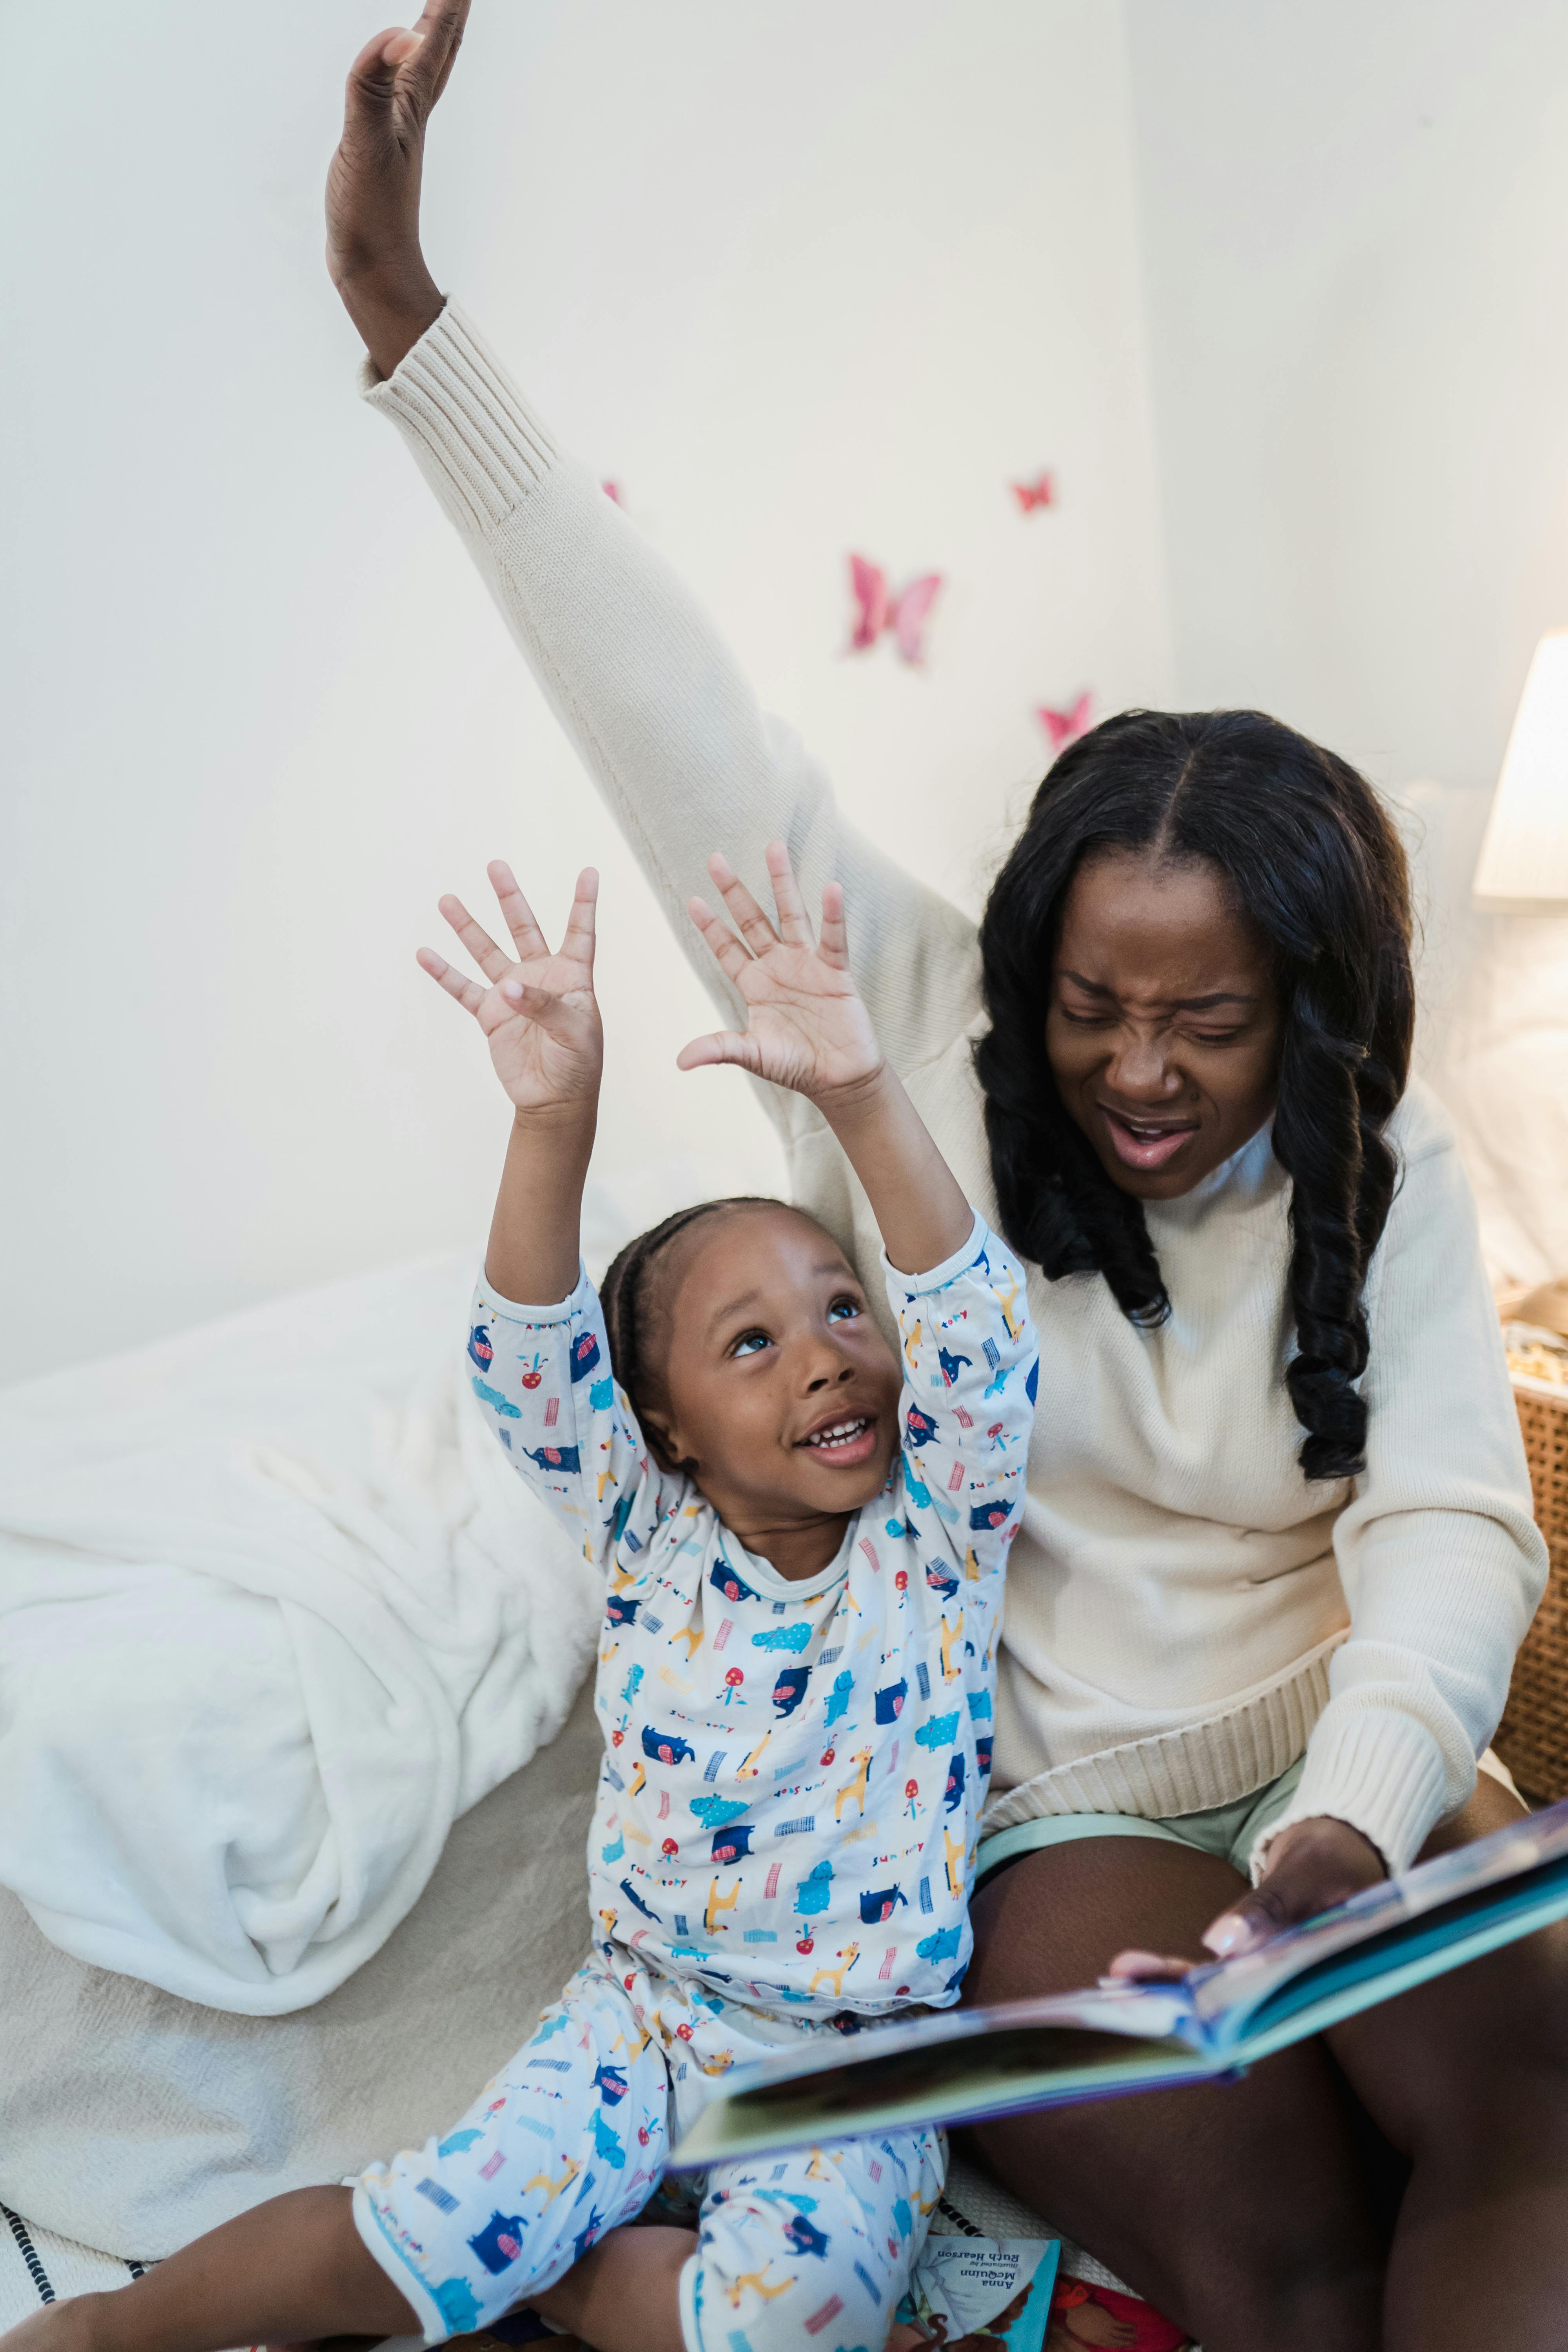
{"points": [[957, 2064]]}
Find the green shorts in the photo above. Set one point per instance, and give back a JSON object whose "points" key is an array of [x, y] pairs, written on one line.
{"points": [[1229, 1831]]}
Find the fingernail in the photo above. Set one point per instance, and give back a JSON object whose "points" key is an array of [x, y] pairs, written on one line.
{"points": [[1228, 1936], [512, 988]]}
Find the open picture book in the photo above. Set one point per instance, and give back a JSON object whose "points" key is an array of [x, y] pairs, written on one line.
{"points": [[959, 2065]]}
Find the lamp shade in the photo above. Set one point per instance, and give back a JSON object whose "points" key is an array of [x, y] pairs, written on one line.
{"points": [[1523, 865]]}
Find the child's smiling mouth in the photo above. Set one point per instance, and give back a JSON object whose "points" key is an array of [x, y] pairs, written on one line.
{"points": [[846, 1440]]}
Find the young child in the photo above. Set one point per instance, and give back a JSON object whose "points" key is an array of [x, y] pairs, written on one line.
{"points": [[804, 1543]]}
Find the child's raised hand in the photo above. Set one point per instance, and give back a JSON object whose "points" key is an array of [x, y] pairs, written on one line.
{"points": [[539, 1011], [807, 1028]]}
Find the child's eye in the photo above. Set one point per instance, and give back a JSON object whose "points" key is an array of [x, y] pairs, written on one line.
{"points": [[843, 1310], [751, 1343]]}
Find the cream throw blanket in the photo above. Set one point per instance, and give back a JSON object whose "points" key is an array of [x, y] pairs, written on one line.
{"points": [[274, 1612]]}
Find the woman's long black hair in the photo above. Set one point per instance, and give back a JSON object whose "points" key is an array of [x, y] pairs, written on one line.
{"points": [[1308, 853]]}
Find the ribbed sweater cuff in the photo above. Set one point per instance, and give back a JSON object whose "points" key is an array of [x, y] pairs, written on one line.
{"points": [[475, 440], [1380, 1771]]}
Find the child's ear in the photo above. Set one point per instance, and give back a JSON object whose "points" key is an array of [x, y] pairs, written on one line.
{"points": [[662, 1441]]}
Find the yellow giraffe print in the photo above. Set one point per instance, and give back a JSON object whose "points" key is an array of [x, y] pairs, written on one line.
{"points": [[953, 1854], [854, 1788], [1015, 1322], [952, 1659], [758, 2282], [835, 1977], [692, 1636], [717, 1902], [553, 2187]]}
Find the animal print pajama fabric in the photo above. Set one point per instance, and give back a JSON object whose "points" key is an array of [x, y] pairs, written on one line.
{"points": [[572, 2139]]}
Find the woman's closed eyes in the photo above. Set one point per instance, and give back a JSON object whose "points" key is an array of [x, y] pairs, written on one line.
{"points": [[1196, 1037]]}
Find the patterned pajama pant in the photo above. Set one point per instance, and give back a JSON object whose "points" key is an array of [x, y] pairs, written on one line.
{"points": [[807, 2253]]}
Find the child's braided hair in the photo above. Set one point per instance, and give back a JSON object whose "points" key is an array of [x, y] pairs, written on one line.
{"points": [[625, 1297]]}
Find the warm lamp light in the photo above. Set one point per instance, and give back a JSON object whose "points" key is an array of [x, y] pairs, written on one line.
{"points": [[1523, 865]]}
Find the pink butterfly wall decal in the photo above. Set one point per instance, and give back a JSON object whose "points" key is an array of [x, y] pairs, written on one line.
{"points": [[1065, 727], [1040, 492], [877, 610], [613, 491]]}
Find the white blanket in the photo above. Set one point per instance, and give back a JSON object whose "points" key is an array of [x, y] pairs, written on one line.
{"points": [[273, 1612]]}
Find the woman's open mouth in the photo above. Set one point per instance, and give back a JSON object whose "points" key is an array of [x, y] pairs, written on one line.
{"points": [[845, 1442], [1146, 1143]]}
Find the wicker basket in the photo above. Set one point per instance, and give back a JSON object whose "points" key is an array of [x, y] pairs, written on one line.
{"points": [[1532, 1738]]}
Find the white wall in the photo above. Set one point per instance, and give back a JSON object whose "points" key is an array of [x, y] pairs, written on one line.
{"points": [[1354, 225], [805, 278]]}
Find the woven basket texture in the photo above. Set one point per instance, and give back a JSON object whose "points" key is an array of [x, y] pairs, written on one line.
{"points": [[1532, 1738]]}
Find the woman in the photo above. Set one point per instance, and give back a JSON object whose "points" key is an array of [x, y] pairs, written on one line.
{"points": [[1279, 1553]]}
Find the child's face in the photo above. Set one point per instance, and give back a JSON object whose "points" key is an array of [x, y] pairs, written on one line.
{"points": [[783, 1393]]}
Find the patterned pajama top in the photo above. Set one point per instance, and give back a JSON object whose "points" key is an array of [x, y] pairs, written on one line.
{"points": [[794, 1769]]}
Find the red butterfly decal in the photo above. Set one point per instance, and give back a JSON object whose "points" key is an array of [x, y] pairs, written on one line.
{"points": [[613, 491], [1065, 727], [1040, 492], [878, 610]]}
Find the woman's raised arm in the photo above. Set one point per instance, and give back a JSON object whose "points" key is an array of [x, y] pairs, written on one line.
{"points": [[662, 717]]}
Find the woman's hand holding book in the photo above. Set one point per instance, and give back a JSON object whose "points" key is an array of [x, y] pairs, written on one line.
{"points": [[1313, 1867]]}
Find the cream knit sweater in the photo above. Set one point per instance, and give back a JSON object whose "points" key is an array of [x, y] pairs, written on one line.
{"points": [[1185, 1612]]}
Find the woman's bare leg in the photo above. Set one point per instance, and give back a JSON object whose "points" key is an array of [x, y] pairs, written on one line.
{"points": [[1469, 2076], [1244, 2213]]}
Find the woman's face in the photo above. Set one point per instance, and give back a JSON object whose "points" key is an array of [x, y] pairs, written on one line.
{"points": [[1164, 1026]]}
